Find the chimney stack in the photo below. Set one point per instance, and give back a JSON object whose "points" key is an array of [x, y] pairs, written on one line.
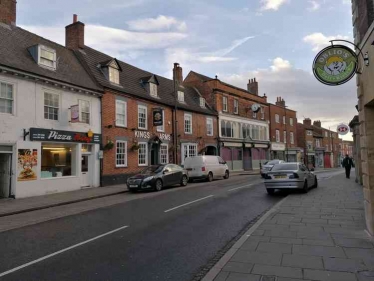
{"points": [[307, 122], [280, 102], [8, 12], [74, 34], [252, 86], [178, 73], [317, 123]]}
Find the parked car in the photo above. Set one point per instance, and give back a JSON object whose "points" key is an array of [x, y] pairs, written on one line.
{"points": [[206, 167], [290, 176], [158, 176], [268, 165]]}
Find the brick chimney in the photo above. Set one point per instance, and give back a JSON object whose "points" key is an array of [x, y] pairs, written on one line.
{"points": [[178, 73], [8, 12], [74, 34], [252, 86], [317, 123], [280, 102], [307, 122]]}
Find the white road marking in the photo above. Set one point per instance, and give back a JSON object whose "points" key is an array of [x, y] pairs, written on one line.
{"points": [[59, 252], [248, 185], [188, 203]]}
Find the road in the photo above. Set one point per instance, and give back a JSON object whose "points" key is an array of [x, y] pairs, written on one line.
{"points": [[171, 235]]}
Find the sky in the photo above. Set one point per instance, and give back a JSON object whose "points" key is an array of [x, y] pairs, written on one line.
{"points": [[274, 41]]}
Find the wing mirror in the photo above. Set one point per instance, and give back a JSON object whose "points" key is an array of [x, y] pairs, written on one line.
{"points": [[166, 171]]}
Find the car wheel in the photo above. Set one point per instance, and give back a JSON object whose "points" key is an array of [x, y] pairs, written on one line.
{"points": [[210, 177], [305, 188], [158, 185], [184, 180], [270, 191], [315, 182], [227, 175]]}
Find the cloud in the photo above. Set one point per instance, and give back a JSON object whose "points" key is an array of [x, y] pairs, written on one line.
{"points": [[113, 41], [301, 91], [159, 23], [272, 4], [314, 5], [347, 2], [319, 40]]}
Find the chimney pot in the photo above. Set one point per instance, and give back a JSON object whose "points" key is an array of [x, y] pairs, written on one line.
{"points": [[178, 73]]}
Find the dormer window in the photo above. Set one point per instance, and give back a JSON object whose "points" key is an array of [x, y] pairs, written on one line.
{"points": [[47, 57], [202, 102], [180, 96], [111, 69], [113, 73], [153, 89]]}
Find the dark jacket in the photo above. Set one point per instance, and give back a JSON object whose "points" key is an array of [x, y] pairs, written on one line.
{"points": [[347, 162]]}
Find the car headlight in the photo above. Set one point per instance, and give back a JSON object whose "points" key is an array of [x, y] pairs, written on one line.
{"points": [[148, 179]]}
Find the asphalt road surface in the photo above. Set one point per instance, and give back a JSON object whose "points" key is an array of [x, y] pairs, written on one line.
{"points": [[170, 236]]}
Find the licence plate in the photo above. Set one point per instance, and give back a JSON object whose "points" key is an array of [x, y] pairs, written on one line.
{"points": [[280, 177], [133, 185]]}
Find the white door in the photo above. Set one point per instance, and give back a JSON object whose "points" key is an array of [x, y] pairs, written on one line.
{"points": [[5, 174], [85, 177]]}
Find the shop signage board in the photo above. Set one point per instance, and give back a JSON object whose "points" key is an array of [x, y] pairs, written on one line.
{"points": [[157, 117], [148, 135], [37, 134], [343, 129], [335, 65], [74, 111], [277, 146]]}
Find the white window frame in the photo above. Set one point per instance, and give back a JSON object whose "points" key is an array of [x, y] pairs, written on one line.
{"points": [[187, 146], [118, 101], [13, 96], [284, 119], [209, 120], [285, 136], [224, 103], [81, 111], [162, 127], [236, 106], [40, 48], [180, 96], [276, 118], [124, 153], [262, 113], [58, 108], [153, 89], [291, 121], [113, 75], [167, 153], [188, 115], [292, 140], [146, 117], [146, 154], [277, 136], [202, 102]]}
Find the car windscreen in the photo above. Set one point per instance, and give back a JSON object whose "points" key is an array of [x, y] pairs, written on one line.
{"points": [[274, 162], [153, 169], [285, 167]]}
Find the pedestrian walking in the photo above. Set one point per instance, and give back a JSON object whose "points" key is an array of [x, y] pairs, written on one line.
{"points": [[347, 164]]}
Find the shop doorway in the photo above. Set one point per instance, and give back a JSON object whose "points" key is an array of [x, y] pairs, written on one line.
{"points": [[210, 150], [85, 175], [247, 159], [155, 154], [5, 174]]}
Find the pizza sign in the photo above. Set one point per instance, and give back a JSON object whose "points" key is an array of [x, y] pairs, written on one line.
{"points": [[342, 129]]}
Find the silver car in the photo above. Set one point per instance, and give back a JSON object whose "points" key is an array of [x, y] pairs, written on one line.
{"points": [[290, 176], [268, 165]]}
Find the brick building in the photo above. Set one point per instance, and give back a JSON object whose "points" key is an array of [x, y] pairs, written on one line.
{"points": [[347, 148], [243, 133], [283, 132], [134, 101]]}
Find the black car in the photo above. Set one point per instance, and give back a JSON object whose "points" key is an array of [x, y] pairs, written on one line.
{"points": [[158, 176]]}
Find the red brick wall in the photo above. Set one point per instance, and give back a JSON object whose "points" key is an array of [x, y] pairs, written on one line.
{"points": [[281, 127], [8, 11]]}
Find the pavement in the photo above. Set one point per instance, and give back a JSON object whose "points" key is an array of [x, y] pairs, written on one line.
{"points": [[316, 236]]}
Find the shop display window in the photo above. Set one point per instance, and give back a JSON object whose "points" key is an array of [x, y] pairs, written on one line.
{"points": [[58, 160]]}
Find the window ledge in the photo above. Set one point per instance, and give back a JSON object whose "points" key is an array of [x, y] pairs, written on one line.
{"points": [[119, 167]]}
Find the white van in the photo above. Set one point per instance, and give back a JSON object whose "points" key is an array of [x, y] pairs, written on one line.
{"points": [[206, 167]]}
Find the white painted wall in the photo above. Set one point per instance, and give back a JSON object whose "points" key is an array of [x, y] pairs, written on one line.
{"points": [[29, 112]]}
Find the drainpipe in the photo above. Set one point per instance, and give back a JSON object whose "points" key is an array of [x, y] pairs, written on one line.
{"points": [[175, 121]]}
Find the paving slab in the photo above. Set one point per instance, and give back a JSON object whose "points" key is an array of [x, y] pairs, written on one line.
{"points": [[302, 261], [324, 275], [257, 257], [280, 271], [346, 265]]}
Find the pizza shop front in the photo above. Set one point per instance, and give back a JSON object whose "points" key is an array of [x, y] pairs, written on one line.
{"points": [[54, 161]]}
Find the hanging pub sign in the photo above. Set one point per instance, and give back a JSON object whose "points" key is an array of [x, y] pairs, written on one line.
{"points": [[37, 134], [74, 113], [335, 65], [343, 129], [157, 117]]}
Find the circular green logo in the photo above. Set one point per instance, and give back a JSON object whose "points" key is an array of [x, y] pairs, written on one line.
{"points": [[335, 65]]}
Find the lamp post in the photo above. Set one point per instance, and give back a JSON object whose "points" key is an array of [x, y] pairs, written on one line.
{"points": [[285, 129]]}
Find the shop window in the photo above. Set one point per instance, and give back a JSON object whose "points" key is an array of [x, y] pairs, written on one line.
{"points": [[209, 127], [187, 123], [256, 132], [84, 107], [86, 148], [143, 154], [6, 98], [51, 106], [58, 160], [121, 113], [164, 154], [142, 117], [121, 153], [227, 129]]}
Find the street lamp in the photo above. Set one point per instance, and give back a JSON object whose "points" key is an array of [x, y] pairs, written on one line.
{"points": [[285, 129]]}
